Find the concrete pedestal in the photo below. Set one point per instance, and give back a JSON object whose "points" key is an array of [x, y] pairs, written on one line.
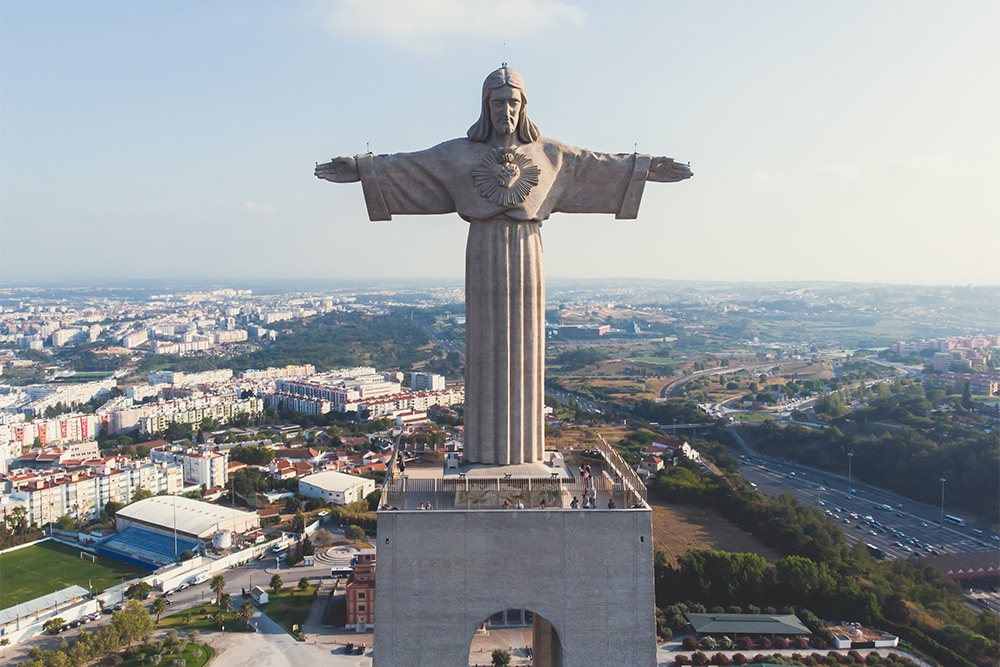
{"points": [[586, 574]]}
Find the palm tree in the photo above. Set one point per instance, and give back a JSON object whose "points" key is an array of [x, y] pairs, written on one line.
{"points": [[217, 585], [276, 583], [246, 612], [159, 606], [226, 602]]}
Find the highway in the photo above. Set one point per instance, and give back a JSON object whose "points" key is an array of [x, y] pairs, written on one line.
{"points": [[907, 529]]}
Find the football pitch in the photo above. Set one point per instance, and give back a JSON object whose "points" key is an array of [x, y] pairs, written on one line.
{"points": [[44, 568]]}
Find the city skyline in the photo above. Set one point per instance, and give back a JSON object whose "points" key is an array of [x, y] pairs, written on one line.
{"points": [[829, 143]]}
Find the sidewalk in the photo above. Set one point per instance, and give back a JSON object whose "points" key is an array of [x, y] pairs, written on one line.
{"points": [[313, 624]]}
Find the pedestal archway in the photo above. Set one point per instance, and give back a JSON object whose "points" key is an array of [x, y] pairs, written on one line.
{"points": [[529, 637]]}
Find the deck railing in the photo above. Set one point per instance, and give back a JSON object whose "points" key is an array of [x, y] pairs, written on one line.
{"points": [[628, 476]]}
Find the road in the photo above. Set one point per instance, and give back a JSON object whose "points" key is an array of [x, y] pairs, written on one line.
{"points": [[446, 344], [587, 404], [671, 388], [917, 527]]}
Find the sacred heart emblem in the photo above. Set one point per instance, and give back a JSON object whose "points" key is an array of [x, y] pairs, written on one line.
{"points": [[505, 176]]}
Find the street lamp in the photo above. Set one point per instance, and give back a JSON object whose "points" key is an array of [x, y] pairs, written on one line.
{"points": [[942, 500], [850, 460]]}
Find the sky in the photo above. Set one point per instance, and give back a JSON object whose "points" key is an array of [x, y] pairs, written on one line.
{"points": [[844, 141]]}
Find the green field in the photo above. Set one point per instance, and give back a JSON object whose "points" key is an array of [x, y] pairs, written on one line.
{"points": [[289, 606], [38, 570], [199, 618], [753, 416]]}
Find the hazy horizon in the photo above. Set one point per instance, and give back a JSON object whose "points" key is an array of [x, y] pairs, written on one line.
{"points": [[830, 142]]}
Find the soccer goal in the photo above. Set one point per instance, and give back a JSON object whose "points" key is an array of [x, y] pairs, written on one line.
{"points": [[89, 556]]}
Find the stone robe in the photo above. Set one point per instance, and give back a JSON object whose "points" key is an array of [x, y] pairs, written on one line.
{"points": [[505, 197]]}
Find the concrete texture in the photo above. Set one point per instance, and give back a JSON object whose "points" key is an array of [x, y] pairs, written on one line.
{"points": [[505, 180], [587, 573]]}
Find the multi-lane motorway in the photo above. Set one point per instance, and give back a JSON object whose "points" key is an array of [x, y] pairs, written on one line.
{"points": [[905, 530]]}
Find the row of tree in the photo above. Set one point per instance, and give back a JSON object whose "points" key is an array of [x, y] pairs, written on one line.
{"points": [[133, 623]]}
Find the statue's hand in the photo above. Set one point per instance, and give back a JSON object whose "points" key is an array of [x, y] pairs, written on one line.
{"points": [[665, 170], [339, 170]]}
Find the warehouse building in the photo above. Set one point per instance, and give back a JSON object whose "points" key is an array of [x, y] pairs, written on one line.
{"points": [[156, 531]]}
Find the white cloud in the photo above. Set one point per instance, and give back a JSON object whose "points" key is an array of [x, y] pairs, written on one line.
{"points": [[419, 25], [259, 209]]}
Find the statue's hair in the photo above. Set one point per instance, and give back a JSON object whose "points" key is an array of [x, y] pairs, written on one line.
{"points": [[483, 128]]}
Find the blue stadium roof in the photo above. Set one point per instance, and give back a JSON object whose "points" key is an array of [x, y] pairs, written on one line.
{"points": [[145, 547]]}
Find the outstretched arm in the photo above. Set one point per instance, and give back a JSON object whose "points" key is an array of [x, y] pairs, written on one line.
{"points": [[665, 170], [339, 170]]}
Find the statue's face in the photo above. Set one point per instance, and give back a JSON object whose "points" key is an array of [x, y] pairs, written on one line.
{"points": [[505, 109]]}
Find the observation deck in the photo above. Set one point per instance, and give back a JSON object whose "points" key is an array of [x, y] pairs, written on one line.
{"points": [[550, 485]]}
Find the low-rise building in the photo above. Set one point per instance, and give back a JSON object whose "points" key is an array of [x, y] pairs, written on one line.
{"points": [[361, 592], [336, 487]]}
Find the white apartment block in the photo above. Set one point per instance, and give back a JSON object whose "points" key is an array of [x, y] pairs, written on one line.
{"points": [[423, 381], [157, 416], [201, 466], [44, 396], [410, 401], [182, 379], [82, 495], [135, 339], [63, 428], [304, 370], [343, 388]]}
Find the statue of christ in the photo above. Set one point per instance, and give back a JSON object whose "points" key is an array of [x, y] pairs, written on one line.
{"points": [[504, 179]]}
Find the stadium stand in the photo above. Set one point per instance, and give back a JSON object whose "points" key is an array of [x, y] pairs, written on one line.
{"points": [[145, 548]]}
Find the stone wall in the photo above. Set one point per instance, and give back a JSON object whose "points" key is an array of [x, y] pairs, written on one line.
{"points": [[589, 573]]}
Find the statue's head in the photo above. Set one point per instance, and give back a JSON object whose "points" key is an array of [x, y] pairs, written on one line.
{"points": [[504, 109]]}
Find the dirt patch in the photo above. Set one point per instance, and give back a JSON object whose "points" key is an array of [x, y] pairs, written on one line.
{"points": [[805, 370], [582, 437], [677, 528]]}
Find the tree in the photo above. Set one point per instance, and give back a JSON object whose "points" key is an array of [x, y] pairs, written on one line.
{"points": [[303, 583], [246, 612], [276, 583], [139, 591], [111, 508], [354, 533], [53, 625], [159, 606], [141, 494], [298, 522], [226, 602], [831, 406], [132, 623], [65, 522], [19, 519], [217, 584], [501, 658]]}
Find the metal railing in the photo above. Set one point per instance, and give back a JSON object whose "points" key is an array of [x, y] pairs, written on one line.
{"points": [[390, 474], [628, 476]]}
